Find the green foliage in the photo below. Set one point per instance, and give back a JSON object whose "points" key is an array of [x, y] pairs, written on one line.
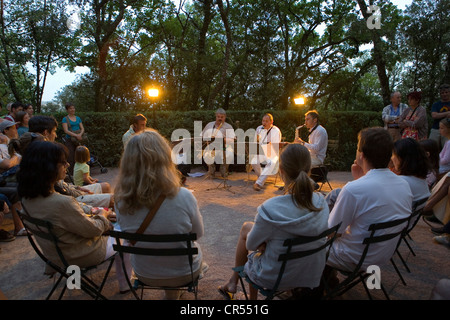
{"points": [[105, 130]]}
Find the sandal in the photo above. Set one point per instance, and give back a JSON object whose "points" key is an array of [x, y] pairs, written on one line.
{"points": [[5, 236], [21, 232], [226, 294]]}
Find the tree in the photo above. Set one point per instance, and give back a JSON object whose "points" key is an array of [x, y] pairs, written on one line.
{"points": [[427, 42]]}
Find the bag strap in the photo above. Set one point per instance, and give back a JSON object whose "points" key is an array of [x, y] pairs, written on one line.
{"points": [[68, 123], [149, 217]]}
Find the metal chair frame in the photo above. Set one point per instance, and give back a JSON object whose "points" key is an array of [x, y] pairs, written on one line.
{"points": [[357, 275], [44, 229], [123, 246], [273, 292]]}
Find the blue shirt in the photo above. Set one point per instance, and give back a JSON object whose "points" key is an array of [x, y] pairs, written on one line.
{"points": [[74, 125], [439, 107]]}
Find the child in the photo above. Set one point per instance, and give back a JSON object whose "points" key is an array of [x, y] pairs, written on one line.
{"points": [[81, 172]]}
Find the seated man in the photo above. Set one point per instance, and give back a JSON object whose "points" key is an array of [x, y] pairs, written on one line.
{"points": [[45, 125], [223, 135], [138, 126], [358, 206], [317, 140], [268, 137]]}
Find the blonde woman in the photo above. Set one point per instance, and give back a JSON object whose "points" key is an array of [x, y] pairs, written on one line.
{"points": [[300, 212], [146, 173]]}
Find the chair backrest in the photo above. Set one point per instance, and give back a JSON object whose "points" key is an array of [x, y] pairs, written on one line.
{"points": [[373, 238], [417, 210], [330, 234], [124, 247], [42, 229]]}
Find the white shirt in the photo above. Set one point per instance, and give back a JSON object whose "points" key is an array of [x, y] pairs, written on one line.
{"points": [[379, 196], [267, 136], [317, 143], [419, 187]]}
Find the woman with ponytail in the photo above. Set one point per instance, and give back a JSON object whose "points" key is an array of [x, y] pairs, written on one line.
{"points": [[301, 211]]}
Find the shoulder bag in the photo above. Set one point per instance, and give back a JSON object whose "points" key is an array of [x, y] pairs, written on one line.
{"points": [[73, 139], [149, 217]]}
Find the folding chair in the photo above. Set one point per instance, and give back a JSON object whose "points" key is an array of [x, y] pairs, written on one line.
{"points": [[122, 246], [417, 210], [44, 230], [320, 175], [273, 292], [357, 275]]}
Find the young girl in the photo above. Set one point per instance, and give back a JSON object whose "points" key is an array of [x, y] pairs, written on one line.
{"points": [[81, 172]]}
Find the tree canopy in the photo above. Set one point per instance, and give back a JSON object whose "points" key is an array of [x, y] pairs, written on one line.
{"points": [[241, 54]]}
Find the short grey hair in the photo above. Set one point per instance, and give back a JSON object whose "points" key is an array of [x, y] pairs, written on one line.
{"points": [[221, 111], [393, 93]]}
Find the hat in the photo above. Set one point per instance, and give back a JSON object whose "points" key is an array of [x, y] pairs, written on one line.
{"points": [[6, 124]]}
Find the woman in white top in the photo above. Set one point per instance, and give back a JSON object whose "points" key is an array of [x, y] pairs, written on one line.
{"points": [[146, 172], [412, 164]]}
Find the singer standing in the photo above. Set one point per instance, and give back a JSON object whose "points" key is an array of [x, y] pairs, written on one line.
{"points": [[268, 137], [317, 140]]}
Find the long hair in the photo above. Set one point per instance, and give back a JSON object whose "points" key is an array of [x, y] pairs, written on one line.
{"points": [[432, 148], [295, 163], [146, 171], [413, 158], [39, 168]]}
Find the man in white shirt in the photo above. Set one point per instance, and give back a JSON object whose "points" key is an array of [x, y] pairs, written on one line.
{"points": [[223, 135], [268, 138], [376, 195], [138, 126], [318, 138]]}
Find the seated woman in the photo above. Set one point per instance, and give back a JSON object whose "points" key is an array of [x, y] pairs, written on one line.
{"points": [[412, 164], [444, 155], [300, 212], [432, 150], [42, 165], [146, 173]]}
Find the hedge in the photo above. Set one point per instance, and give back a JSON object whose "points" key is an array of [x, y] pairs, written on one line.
{"points": [[105, 129]]}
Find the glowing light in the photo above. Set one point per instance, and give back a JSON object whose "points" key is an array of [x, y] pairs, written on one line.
{"points": [[299, 100], [153, 92]]}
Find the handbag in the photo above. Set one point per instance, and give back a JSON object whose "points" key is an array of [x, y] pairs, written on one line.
{"points": [[410, 133], [149, 217], [73, 139]]}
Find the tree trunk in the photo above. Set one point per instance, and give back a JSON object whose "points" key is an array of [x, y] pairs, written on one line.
{"points": [[198, 74], [226, 61], [378, 56]]}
